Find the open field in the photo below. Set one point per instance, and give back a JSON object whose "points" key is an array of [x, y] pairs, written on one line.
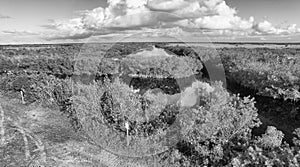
{"points": [[149, 104]]}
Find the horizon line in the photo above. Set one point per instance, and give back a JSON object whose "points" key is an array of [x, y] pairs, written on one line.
{"points": [[231, 43]]}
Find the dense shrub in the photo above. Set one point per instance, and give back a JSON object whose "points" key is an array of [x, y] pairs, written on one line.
{"points": [[272, 72], [165, 120], [36, 87], [103, 110], [173, 67], [211, 127], [241, 150], [108, 66], [120, 50], [6, 64], [59, 67], [201, 125], [268, 150]]}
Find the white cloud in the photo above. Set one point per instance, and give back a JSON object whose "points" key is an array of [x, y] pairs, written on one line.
{"points": [[196, 15], [72, 29], [163, 32], [224, 18], [22, 33], [167, 5], [266, 27]]}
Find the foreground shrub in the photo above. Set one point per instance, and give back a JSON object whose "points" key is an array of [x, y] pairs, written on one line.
{"points": [[211, 128], [268, 151], [160, 122], [103, 109], [239, 151]]}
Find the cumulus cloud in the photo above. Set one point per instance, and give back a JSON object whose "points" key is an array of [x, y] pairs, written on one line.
{"points": [[163, 32], [159, 16], [167, 5], [72, 29], [266, 27]]}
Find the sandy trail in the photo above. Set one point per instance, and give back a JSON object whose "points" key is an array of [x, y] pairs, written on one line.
{"points": [[36, 136]]}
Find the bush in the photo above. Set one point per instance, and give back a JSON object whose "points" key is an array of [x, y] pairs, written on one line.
{"points": [[241, 150], [43, 88], [157, 125], [297, 137], [208, 129], [56, 66], [272, 138], [6, 64], [171, 67], [270, 72], [268, 151], [103, 109]]}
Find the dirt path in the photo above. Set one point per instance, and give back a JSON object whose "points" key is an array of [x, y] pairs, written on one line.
{"points": [[36, 136]]}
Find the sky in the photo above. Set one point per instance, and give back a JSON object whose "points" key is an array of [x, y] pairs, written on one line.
{"points": [[59, 21]]}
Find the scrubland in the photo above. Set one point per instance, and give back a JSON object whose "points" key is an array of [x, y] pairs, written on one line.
{"points": [[110, 105]]}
